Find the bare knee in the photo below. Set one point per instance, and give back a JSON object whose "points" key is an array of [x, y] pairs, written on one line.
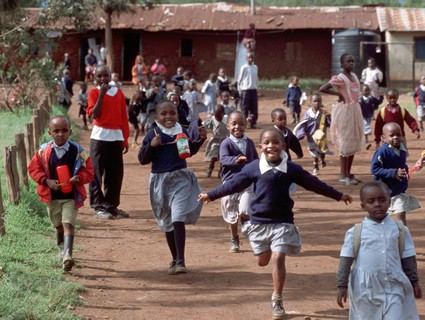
{"points": [[264, 258]]}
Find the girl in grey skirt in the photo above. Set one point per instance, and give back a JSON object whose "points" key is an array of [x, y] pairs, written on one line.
{"points": [[173, 188]]}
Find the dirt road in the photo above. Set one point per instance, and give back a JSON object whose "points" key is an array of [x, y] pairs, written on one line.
{"points": [[122, 263]]}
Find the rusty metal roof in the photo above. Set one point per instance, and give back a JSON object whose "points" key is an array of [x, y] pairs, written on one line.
{"points": [[400, 19], [224, 16]]}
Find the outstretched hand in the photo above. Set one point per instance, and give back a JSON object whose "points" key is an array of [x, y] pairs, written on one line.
{"points": [[204, 198], [347, 198]]}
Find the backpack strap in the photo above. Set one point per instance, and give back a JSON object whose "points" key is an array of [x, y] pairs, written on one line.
{"points": [[401, 238], [403, 112], [357, 235]]}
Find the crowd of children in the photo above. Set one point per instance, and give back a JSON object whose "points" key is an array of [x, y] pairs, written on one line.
{"points": [[256, 188]]}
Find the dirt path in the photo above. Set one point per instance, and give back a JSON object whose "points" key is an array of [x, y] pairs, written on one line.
{"points": [[122, 263]]}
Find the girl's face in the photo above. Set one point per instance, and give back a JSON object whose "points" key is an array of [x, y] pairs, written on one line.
{"points": [[279, 120], [166, 114], [376, 203], [316, 102], [222, 73], [271, 145], [348, 63], [102, 75], [236, 125]]}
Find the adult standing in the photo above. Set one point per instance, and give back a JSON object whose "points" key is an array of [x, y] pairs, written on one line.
{"points": [[90, 61], [248, 86]]}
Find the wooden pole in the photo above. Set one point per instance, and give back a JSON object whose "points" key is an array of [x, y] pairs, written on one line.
{"points": [[36, 131], [29, 141], [2, 225], [11, 172], [22, 167]]}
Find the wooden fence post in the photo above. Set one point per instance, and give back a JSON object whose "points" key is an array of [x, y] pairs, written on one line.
{"points": [[11, 172], [22, 160], [2, 225], [29, 141], [36, 131]]}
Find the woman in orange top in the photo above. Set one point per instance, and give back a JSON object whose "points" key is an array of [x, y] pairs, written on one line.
{"points": [[139, 71]]}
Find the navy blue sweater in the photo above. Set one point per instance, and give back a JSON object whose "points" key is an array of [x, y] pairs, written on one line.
{"points": [[165, 158], [385, 163], [293, 95], [229, 152], [369, 105], [271, 202]]}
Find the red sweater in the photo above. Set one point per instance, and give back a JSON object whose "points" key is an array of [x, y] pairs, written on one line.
{"points": [[114, 112], [396, 117]]}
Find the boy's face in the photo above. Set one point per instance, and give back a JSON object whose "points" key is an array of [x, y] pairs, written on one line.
{"points": [[59, 130], [250, 59], [366, 91], [295, 81], [376, 202], [371, 64], [316, 102], [114, 77], [83, 88], [222, 73], [391, 134], [271, 145], [102, 75], [279, 120], [236, 125], [225, 97], [392, 98]]}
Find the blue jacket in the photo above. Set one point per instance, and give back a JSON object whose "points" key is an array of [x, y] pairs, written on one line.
{"points": [[271, 202], [293, 95], [385, 163]]}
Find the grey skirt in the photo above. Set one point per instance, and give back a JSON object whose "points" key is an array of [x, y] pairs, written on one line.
{"points": [[174, 197]]}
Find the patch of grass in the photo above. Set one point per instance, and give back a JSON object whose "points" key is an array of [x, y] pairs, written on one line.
{"points": [[308, 85], [32, 285]]}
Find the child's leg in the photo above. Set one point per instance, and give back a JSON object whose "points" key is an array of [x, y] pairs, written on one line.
{"points": [[402, 217], [234, 247], [322, 159], [60, 239], [172, 246], [279, 276], [211, 166], [68, 245], [315, 166], [180, 240], [343, 167]]}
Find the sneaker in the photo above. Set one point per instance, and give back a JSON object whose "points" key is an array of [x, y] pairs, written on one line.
{"points": [[68, 263], [278, 311], [180, 268], [353, 177], [315, 171], [234, 247], [348, 182], [103, 214], [172, 268], [116, 212]]}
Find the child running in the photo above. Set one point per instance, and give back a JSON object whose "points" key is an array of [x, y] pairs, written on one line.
{"points": [[369, 104], [172, 186], [315, 123], [291, 141], [62, 204], [219, 133], [227, 105], [383, 283], [271, 229], [236, 151], [347, 121], [82, 102], [393, 112], [419, 97], [209, 93], [389, 166]]}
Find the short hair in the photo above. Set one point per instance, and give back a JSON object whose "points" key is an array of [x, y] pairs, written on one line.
{"points": [[393, 90], [163, 102], [60, 116], [219, 109], [276, 111], [343, 56], [278, 132], [373, 184], [237, 112]]}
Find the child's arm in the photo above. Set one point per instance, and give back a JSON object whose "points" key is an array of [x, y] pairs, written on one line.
{"points": [[295, 145], [410, 268], [85, 174], [379, 123], [150, 142], [342, 275], [326, 88], [377, 167], [412, 123], [227, 158], [194, 146]]}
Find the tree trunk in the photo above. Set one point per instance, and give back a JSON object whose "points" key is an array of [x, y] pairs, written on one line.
{"points": [[110, 58]]}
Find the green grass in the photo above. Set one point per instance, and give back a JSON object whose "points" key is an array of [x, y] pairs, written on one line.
{"points": [[308, 85], [32, 285]]}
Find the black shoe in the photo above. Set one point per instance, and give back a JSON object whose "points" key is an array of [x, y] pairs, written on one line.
{"points": [[116, 212]]}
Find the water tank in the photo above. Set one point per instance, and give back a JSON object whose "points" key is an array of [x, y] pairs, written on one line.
{"points": [[348, 41]]}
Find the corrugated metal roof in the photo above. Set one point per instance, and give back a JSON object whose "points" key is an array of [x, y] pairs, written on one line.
{"points": [[400, 19], [224, 16]]}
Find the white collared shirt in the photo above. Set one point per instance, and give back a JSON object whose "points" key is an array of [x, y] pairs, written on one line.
{"points": [[241, 143], [282, 167], [60, 150]]}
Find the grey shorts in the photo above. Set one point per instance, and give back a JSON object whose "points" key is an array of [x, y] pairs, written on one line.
{"points": [[279, 237]]}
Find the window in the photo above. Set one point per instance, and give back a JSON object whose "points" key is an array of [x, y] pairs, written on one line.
{"points": [[293, 51], [186, 49], [420, 48]]}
